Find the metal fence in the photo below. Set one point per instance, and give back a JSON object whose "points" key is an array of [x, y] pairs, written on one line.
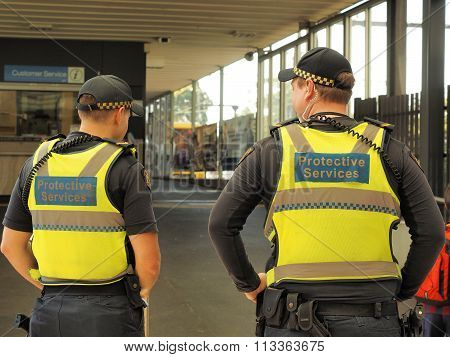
{"points": [[401, 110], [404, 112]]}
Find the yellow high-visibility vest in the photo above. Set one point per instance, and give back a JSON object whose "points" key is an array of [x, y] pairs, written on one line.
{"points": [[334, 209], [78, 235]]}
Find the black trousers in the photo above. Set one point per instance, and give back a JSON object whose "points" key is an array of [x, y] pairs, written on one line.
{"points": [[85, 315], [347, 326]]}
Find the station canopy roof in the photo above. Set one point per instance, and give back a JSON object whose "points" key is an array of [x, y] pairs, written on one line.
{"points": [[204, 34]]}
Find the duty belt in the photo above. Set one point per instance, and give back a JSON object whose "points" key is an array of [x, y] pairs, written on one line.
{"points": [[377, 309], [281, 308]]}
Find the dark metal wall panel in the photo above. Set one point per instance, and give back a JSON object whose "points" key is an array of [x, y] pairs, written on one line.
{"points": [[432, 106]]}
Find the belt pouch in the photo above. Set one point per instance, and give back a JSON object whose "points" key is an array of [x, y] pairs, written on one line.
{"points": [[274, 306]]}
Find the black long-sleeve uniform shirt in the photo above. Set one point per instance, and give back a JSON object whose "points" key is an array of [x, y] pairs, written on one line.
{"points": [[255, 180], [126, 188]]}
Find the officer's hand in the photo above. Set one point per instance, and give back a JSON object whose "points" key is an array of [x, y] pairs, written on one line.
{"points": [[145, 293], [262, 285]]}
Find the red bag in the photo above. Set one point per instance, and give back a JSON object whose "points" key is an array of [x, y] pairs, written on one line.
{"points": [[435, 287]]}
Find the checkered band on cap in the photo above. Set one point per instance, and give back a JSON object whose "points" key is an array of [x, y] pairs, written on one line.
{"points": [[314, 77], [113, 105]]}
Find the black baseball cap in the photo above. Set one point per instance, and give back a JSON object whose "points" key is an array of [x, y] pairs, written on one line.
{"points": [[322, 65], [110, 92]]}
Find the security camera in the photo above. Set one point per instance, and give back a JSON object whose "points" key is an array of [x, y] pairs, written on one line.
{"points": [[164, 39], [249, 56]]}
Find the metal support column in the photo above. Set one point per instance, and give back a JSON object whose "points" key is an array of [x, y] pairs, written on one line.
{"points": [[193, 117], [172, 133], [259, 100], [432, 105], [396, 49], [220, 128]]}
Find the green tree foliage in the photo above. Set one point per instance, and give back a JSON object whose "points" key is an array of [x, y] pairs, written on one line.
{"points": [[183, 105]]}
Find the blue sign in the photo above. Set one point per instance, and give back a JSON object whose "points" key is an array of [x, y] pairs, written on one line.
{"points": [[65, 191], [324, 167], [47, 74]]}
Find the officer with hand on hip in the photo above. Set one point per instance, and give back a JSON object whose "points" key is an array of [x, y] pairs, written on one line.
{"points": [[334, 190], [86, 202]]}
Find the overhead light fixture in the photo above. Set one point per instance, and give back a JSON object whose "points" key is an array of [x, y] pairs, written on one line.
{"points": [[249, 56], [239, 34], [164, 40]]}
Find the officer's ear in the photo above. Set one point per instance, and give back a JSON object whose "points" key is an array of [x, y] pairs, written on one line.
{"points": [[310, 90], [119, 114]]}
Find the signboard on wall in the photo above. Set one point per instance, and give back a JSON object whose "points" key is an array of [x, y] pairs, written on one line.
{"points": [[43, 74]]}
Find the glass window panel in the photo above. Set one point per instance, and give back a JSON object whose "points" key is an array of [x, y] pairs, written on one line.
{"points": [[289, 63], [357, 53], [37, 113], [337, 37], [447, 45], [320, 38], [302, 49], [182, 132], [266, 97], [183, 105], [378, 50], [414, 10], [207, 116], [447, 13], [168, 137], [161, 135], [303, 32], [239, 125], [156, 138], [284, 41], [276, 86], [289, 58]]}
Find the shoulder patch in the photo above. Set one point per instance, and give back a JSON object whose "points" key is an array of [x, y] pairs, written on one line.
{"points": [[416, 160], [147, 177], [248, 152], [387, 126]]}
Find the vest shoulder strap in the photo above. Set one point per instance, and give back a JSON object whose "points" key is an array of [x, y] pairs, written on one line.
{"points": [[278, 125], [387, 126]]}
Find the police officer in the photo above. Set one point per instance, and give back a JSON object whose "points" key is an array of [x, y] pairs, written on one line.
{"points": [[332, 200], [86, 202]]}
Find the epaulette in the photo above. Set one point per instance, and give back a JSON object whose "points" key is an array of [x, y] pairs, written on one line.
{"points": [[131, 148], [387, 126], [57, 136], [283, 123], [128, 147]]}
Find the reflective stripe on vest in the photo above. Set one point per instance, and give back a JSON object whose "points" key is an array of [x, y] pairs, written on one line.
{"points": [[78, 235], [333, 210], [335, 270]]}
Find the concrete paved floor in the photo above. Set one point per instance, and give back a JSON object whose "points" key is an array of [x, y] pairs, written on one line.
{"points": [[194, 295]]}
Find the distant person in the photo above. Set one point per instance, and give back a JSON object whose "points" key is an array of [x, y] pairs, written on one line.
{"points": [[435, 290], [86, 201]]}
